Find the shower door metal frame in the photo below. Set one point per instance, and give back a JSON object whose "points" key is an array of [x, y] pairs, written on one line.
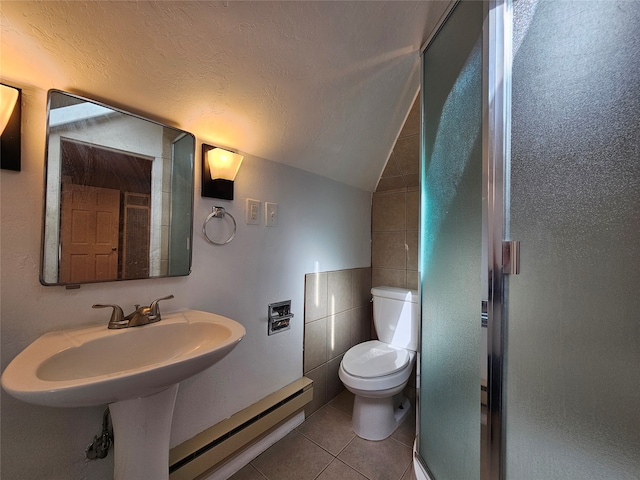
{"points": [[443, 19], [496, 175], [496, 128]]}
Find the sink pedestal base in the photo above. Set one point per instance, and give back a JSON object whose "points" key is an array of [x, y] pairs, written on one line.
{"points": [[141, 430]]}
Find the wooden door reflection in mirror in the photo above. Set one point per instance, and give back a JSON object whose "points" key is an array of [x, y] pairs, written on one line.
{"points": [[105, 214]]}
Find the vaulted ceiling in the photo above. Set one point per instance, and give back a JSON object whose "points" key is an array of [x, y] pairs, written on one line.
{"points": [[323, 86]]}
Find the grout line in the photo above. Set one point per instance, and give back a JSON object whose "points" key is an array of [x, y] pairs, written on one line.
{"points": [[257, 470], [335, 456], [323, 448], [334, 459], [314, 442], [336, 409], [406, 469], [345, 447]]}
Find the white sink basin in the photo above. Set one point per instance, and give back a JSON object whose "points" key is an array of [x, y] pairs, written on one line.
{"points": [[95, 366]]}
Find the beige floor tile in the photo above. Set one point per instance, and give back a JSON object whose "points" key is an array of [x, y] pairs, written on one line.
{"points": [[292, 458], [409, 474], [343, 402], [247, 473], [310, 451], [329, 428], [339, 471], [384, 460], [406, 432]]}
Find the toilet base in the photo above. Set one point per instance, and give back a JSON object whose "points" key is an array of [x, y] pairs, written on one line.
{"points": [[377, 418]]}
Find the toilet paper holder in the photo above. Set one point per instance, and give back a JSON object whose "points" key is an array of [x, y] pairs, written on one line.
{"points": [[279, 315]]}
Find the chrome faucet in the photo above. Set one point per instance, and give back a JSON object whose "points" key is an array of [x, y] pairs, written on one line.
{"points": [[140, 316]]}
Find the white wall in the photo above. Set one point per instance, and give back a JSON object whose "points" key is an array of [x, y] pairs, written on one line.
{"points": [[323, 225]]}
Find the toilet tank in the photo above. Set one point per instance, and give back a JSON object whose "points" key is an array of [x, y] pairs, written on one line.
{"points": [[396, 315]]}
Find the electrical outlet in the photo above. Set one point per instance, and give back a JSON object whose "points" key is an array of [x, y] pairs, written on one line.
{"points": [[270, 214], [252, 212]]}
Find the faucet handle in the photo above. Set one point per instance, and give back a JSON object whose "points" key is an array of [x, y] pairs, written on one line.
{"points": [[117, 316], [155, 309]]}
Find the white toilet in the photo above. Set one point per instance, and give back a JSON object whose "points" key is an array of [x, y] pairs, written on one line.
{"points": [[377, 371]]}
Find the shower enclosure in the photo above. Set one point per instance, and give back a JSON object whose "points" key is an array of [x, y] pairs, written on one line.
{"points": [[531, 159]]}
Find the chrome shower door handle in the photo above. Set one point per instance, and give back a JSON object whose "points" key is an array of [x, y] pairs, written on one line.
{"points": [[511, 257]]}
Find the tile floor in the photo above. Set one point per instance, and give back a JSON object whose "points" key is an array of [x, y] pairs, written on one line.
{"points": [[324, 447]]}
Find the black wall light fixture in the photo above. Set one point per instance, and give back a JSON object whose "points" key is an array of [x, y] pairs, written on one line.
{"points": [[10, 114], [219, 170]]}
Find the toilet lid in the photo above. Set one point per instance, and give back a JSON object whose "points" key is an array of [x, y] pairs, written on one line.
{"points": [[374, 359]]}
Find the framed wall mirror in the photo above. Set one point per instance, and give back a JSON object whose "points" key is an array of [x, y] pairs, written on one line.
{"points": [[118, 195]]}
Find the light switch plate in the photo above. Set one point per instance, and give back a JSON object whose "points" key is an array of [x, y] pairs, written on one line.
{"points": [[252, 212], [270, 214]]}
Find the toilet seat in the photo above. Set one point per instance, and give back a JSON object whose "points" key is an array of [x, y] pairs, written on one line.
{"points": [[375, 359], [376, 386]]}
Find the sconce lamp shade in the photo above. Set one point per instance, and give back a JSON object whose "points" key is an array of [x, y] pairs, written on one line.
{"points": [[223, 164], [219, 170], [8, 99], [10, 119]]}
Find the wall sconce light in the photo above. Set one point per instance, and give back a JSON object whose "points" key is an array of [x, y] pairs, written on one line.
{"points": [[10, 113], [219, 170]]}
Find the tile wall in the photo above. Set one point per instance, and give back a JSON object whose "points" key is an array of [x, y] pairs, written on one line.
{"points": [[394, 238], [396, 210], [337, 316], [403, 168]]}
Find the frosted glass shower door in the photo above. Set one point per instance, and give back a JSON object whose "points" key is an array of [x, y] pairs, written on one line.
{"points": [[451, 247], [573, 336]]}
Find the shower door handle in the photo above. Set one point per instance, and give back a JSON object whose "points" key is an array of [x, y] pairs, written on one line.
{"points": [[511, 257]]}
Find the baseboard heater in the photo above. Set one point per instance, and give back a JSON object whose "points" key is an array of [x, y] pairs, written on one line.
{"points": [[202, 453]]}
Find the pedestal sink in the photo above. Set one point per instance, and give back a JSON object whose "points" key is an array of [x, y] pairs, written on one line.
{"points": [[134, 370]]}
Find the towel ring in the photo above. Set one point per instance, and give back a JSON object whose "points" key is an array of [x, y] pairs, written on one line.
{"points": [[218, 212]]}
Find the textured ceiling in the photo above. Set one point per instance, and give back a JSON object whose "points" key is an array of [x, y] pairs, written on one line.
{"points": [[322, 86]]}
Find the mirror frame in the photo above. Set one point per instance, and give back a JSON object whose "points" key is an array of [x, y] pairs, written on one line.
{"points": [[45, 238]]}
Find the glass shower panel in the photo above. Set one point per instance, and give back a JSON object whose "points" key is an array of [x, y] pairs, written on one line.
{"points": [[450, 247], [573, 373]]}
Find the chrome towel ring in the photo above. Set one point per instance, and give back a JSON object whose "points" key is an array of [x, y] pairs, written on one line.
{"points": [[219, 212]]}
